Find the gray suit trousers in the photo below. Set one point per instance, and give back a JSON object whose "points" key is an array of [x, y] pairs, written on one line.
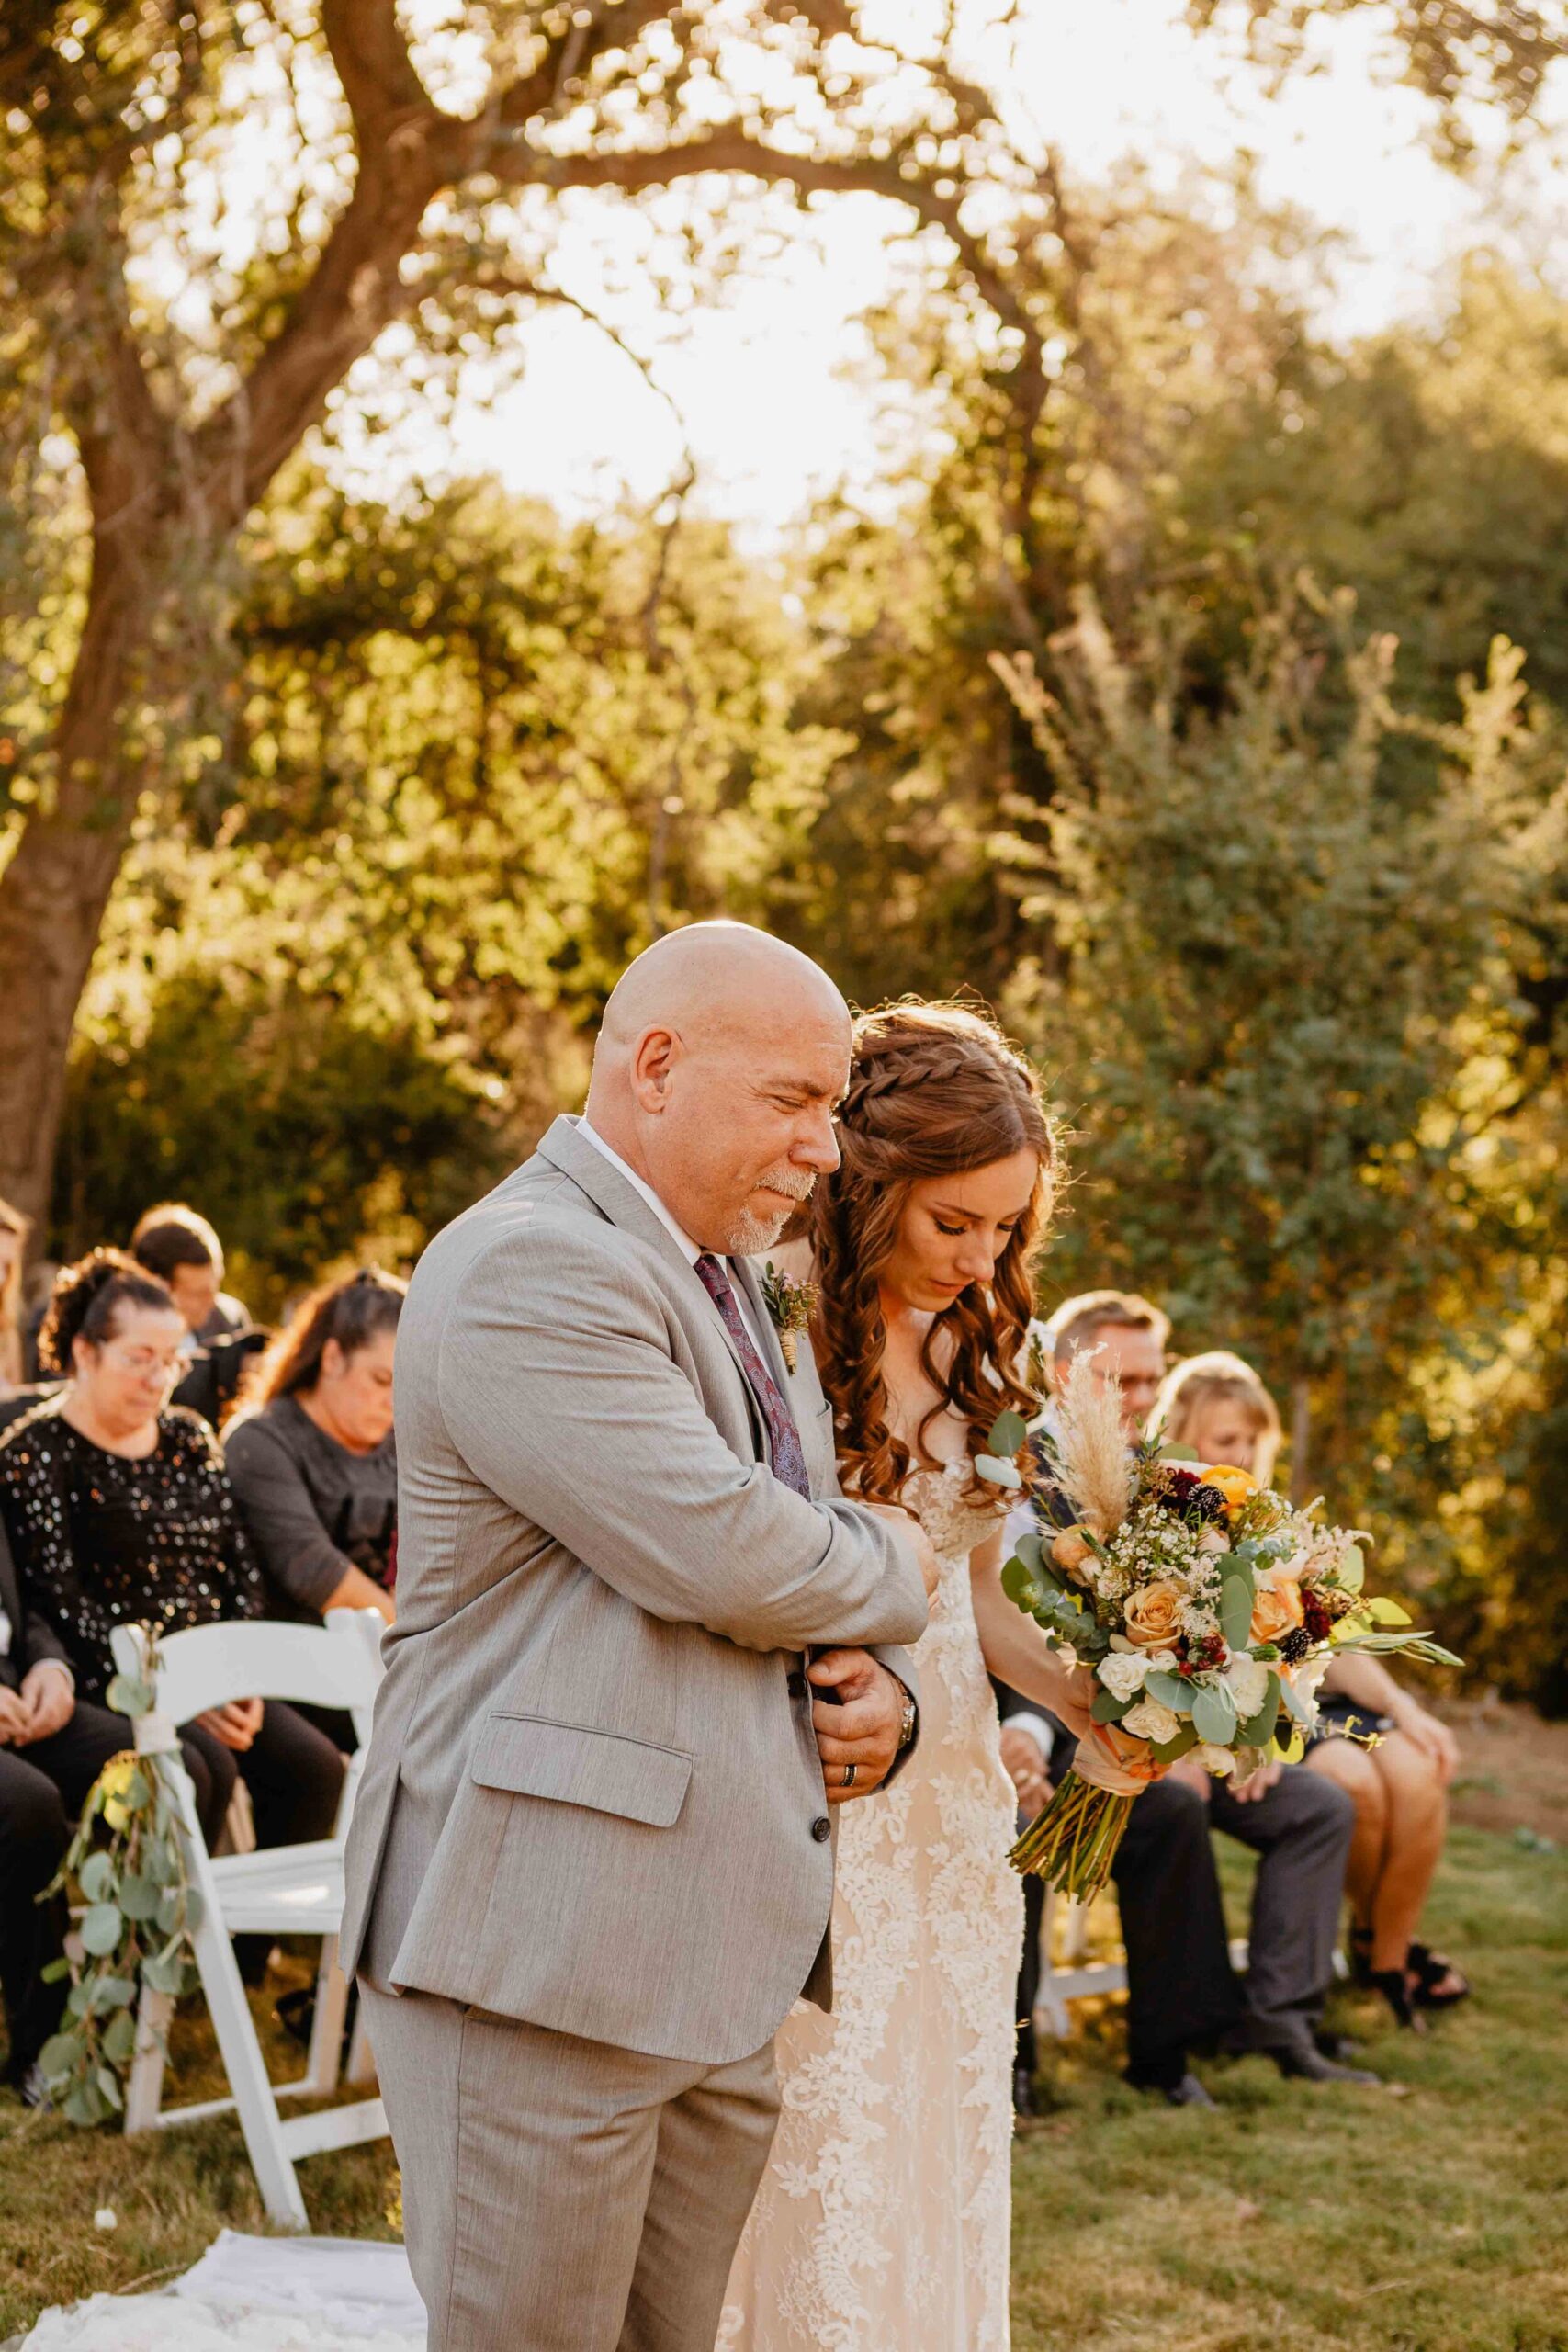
{"points": [[562, 2195]]}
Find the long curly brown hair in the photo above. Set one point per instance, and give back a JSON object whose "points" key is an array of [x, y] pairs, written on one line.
{"points": [[935, 1090]]}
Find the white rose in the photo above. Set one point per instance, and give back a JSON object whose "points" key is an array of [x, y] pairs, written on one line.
{"points": [[1248, 1680], [1149, 1720], [1214, 1539], [1123, 1673], [1220, 1762]]}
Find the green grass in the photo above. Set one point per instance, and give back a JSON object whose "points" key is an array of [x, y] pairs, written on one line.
{"points": [[1430, 2216], [1294, 2220]]}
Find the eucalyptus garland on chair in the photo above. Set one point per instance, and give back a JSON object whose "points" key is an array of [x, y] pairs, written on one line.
{"points": [[141, 1910]]}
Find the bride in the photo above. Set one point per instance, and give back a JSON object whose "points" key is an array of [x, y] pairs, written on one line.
{"points": [[883, 2218]]}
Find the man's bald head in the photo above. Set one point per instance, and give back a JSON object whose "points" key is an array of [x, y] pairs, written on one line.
{"points": [[719, 1062]]}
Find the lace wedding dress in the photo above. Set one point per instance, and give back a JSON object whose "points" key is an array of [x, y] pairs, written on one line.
{"points": [[882, 2224]]}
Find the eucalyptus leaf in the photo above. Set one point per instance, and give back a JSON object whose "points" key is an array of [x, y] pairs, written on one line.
{"points": [[1260, 1729], [110, 1992], [1030, 1551], [1213, 1714], [59, 2055], [98, 1878], [1108, 1708], [1296, 1704], [1236, 1610], [998, 1472], [1179, 1453], [109, 2088], [1009, 1432], [79, 2000], [119, 2038], [139, 1897], [100, 1929], [1171, 1690], [1168, 1751], [1388, 1613], [86, 2103], [1352, 1568], [165, 1972], [127, 1695]]}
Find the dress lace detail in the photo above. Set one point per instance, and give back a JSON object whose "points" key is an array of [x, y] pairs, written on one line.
{"points": [[883, 2223]]}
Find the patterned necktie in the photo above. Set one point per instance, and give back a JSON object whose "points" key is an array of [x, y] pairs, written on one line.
{"points": [[789, 1462]]}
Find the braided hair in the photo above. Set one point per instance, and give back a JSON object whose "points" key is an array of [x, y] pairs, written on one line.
{"points": [[935, 1090]]}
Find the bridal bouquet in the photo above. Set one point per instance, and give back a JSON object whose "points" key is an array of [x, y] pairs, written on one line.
{"points": [[1207, 1608]]}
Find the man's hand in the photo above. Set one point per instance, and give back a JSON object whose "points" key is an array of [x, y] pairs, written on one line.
{"points": [[1267, 1777], [1025, 1766], [909, 1528], [50, 1697], [862, 1730], [234, 1725], [16, 1717]]}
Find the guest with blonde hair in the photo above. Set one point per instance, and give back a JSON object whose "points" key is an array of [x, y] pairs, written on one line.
{"points": [[1216, 1405], [1391, 1755]]}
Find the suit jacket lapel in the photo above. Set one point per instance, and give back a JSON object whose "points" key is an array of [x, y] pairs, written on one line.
{"points": [[624, 1205]]}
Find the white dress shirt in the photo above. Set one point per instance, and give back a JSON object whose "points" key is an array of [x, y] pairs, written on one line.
{"points": [[689, 1249]]}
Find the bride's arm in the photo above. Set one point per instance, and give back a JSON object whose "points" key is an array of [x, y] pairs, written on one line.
{"points": [[1016, 1652], [1014, 1648]]}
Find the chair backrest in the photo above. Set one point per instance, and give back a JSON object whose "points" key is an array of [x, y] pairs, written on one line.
{"points": [[335, 1665]]}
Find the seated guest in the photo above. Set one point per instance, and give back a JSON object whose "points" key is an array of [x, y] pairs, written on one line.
{"points": [[118, 1511], [1217, 1404], [311, 1456], [1182, 1992], [14, 1231], [181, 1248]]}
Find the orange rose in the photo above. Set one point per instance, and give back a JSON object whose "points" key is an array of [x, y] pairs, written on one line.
{"points": [[1150, 1620], [1276, 1606], [1070, 1550]]}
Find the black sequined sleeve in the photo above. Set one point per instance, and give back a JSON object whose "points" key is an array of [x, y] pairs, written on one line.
{"points": [[247, 1589], [34, 1500]]}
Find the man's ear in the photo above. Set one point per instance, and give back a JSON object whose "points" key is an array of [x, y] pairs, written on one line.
{"points": [[653, 1067]]}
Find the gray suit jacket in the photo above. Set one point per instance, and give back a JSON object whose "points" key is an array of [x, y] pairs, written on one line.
{"points": [[593, 1799]]}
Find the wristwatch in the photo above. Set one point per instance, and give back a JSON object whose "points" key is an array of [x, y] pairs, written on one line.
{"points": [[911, 1717]]}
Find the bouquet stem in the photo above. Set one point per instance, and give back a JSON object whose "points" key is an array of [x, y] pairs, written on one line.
{"points": [[1073, 1843]]}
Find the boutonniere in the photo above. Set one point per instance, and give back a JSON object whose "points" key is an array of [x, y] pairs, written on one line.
{"points": [[792, 1305]]}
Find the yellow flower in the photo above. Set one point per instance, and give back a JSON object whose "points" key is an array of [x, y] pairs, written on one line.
{"points": [[114, 1782], [1234, 1484]]}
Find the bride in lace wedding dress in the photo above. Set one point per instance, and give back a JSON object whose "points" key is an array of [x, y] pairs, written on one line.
{"points": [[883, 2223]]}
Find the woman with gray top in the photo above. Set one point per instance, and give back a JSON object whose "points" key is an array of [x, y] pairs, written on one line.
{"points": [[310, 1452]]}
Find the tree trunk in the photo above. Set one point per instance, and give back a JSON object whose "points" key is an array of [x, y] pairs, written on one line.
{"points": [[1300, 1435], [54, 891]]}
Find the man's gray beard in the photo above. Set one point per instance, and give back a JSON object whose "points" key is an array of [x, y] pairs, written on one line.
{"points": [[749, 1236]]}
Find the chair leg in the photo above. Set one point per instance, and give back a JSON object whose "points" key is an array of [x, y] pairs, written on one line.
{"points": [[326, 2030], [144, 2090], [246, 2070]]}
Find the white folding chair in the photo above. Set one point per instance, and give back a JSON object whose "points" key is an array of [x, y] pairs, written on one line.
{"points": [[1079, 1976], [286, 1890]]}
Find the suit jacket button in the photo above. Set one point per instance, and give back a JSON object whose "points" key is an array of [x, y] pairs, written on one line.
{"points": [[821, 1828], [797, 1685]]}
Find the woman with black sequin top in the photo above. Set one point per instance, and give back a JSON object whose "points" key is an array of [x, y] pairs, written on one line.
{"points": [[120, 1510]]}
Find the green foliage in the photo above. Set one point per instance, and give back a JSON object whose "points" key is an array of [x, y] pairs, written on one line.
{"points": [[126, 1862]]}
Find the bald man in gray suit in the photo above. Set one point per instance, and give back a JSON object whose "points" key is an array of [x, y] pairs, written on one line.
{"points": [[591, 1861]]}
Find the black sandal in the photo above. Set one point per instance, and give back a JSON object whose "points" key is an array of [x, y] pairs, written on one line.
{"points": [[1394, 1986], [1359, 1952], [1430, 1969]]}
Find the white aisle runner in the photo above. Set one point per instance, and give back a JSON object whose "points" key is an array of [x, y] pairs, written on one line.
{"points": [[257, 2295]]}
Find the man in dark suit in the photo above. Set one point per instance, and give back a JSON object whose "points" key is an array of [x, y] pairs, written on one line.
{"points": [[1183, 1992]]}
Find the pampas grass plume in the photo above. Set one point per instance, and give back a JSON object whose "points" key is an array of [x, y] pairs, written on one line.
{"points": [[1090, 1448]]}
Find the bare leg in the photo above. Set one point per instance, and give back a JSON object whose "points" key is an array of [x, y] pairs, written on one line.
{"points": [[1417, 1806], [1355, 1772]]}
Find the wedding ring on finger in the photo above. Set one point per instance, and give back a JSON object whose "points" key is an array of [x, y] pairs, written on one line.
{"points": [[849, 1778]]}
